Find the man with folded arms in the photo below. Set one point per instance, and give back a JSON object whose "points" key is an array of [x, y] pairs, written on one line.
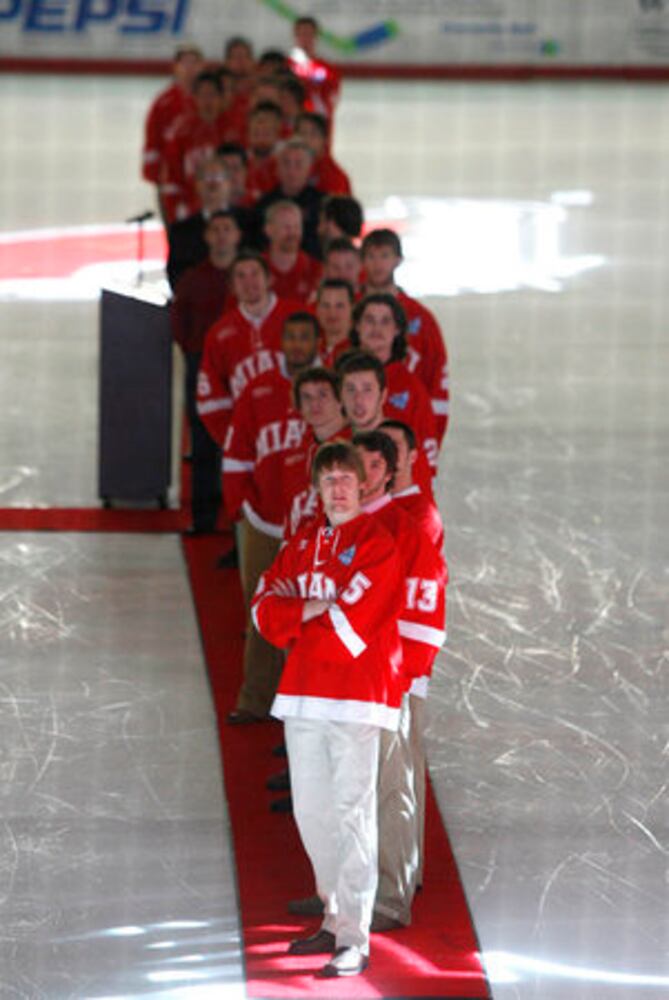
{"points": [[332, 598]]}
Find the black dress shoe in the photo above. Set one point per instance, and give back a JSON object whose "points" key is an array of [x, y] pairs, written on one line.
{"points": [[282, 805], [279, 782], [240, 717], [230, 560], [346, 962], [320, 943]]}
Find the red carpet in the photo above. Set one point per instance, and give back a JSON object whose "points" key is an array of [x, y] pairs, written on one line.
{"points": [[90, 519], [435, 957]]}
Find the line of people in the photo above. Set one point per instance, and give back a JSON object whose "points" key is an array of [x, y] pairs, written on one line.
{"points": [[320, 389]]}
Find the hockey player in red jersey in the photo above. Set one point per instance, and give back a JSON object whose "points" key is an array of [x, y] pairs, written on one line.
{"points": [[295, 274], [168, 106], [317, 401], [405, 491], [364, 397], [426, 515], [264, 134], [321, 79], [421, 627], [426, 354], [342, 260], [244, 343], [326, 173], [380, 328], [334, 311], [332, 599], [263, 429], [194, 139]]}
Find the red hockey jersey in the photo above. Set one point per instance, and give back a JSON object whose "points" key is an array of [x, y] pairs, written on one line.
{"points": [[422, 620], [329, 355], [346, 664], [300, 282], [168, 106], [321, 80], [424, 510], [237, 349], [191, 142], [408, 401], [427, 357], [264, 427]]}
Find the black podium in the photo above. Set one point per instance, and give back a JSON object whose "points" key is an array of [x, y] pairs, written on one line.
{"points": [[135, 401]]}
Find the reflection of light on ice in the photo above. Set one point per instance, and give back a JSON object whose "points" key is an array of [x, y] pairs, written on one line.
{"points": [[505, 967], [457, 245], [85, 284]]}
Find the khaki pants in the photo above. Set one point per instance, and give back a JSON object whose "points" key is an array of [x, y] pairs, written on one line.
{"points": [[398, 831], [417, 739], [262, 662]]}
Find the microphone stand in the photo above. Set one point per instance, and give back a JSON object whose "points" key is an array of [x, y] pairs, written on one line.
{"points": [[140, 220]]}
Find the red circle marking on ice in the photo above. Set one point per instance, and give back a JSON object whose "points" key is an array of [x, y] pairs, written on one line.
{"points": [[60, 253]]}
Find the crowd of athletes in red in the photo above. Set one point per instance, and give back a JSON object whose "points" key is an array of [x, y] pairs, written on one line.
{"points": [[320, 389]]}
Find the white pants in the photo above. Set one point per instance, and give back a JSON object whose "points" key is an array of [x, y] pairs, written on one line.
{"points": [[398, 829], [333, 776]]}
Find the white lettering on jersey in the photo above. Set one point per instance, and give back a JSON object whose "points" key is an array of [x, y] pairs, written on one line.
{"points": [[356, 588], [431, 449], [317, 587], [412, 359], [252, 365], [304, 506], [203, 384], [422, 594], [280, 435], [194, 157]]}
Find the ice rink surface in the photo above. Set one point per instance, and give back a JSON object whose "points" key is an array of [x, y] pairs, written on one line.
{"points": [[535, 223]]}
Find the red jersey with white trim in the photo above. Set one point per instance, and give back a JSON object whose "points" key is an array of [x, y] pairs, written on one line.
{"points": [[424, 510], [423, 617], [300, 281], [408, 401], [264, 427], [192, 141], [346, 664], [427, 357], [168, 106], [321, 80], [237, 349]]}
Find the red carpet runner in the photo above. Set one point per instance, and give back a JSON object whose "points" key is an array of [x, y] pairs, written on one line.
{"points": [[435, 957]]}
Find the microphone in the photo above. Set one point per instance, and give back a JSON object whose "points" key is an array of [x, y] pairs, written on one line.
{"points": [[142, 217]]}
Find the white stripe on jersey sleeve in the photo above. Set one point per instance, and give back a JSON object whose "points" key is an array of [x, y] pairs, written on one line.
{"points": [[422, 633], [346, 632]]}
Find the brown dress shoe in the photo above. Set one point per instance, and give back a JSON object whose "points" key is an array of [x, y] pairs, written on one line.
{"points": [[319, 943], [381, 923]]}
